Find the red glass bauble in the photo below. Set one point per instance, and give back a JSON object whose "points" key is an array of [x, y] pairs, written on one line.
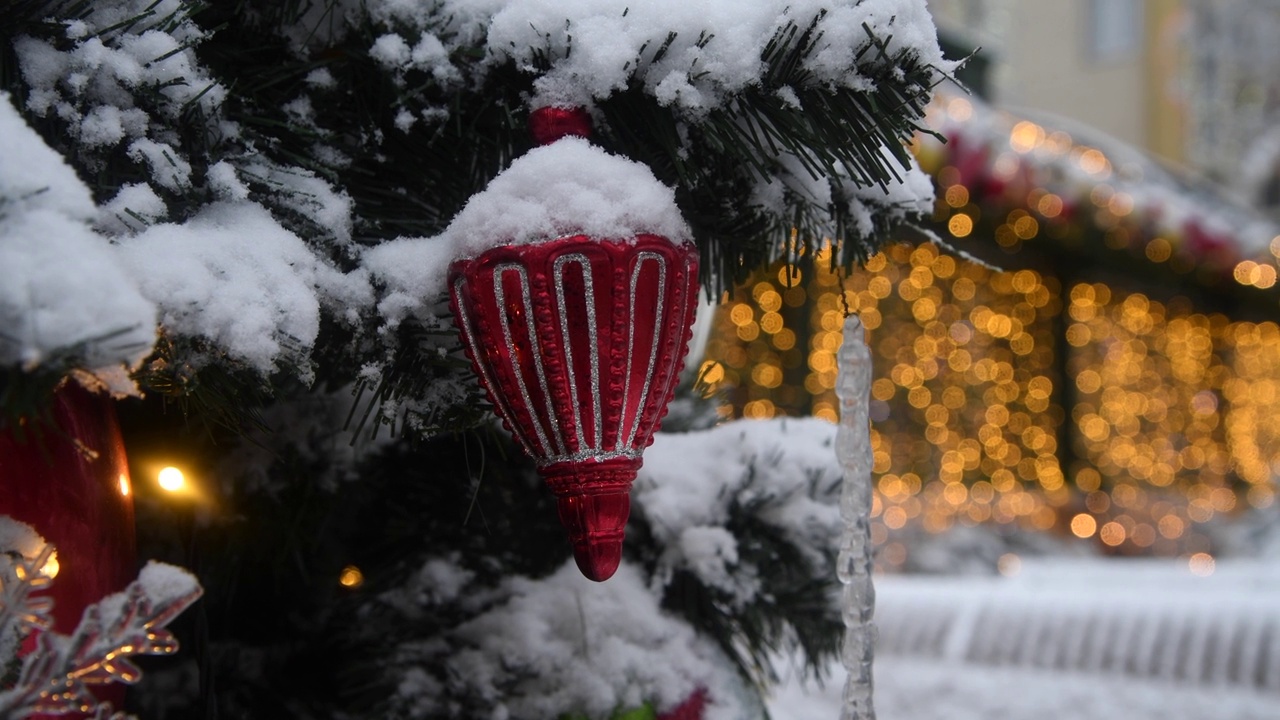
{"points": [[579, 344], [70, 482], [549, 124]]}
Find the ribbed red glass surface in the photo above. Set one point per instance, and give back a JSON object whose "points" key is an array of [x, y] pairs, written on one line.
{"points": [[71, 484], [579, 343], [549, 124]]}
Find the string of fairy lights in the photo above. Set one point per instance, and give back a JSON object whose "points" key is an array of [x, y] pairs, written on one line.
{"points": [[1025, 397]]}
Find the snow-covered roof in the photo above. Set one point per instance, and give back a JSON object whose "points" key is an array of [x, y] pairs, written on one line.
{"points": [[1062, 171]]}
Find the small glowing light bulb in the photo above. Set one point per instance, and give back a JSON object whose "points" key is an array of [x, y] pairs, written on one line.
{"points": [[351, 577], [51, 567], [171, 479], [124, 485]]}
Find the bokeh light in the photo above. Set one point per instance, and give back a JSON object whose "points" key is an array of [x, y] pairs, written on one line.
{"points": [[1006, 397]]}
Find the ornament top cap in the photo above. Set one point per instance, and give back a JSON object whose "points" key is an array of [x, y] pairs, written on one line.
{"points": [[549, 124]]}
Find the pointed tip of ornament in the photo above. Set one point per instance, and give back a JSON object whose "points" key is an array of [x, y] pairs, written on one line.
{"points": [[594, 509], [599, 560]]}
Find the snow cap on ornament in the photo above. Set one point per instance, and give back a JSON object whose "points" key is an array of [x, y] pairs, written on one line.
{"points": [[575, 295]]}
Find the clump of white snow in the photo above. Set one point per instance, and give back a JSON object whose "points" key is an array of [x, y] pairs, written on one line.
{"points": [[233, 275], [437, 582], [413, 272], [134, 207], [566, 188], [117, 51], [64, 293], [19, 537]]}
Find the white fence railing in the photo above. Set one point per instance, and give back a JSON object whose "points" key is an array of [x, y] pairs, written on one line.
{"points": [[1140, 618]]}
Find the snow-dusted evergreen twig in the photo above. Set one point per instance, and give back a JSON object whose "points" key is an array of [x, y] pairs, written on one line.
{"points": [[56, 677], [23, 553]]}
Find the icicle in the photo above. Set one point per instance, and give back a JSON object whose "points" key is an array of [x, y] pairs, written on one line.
{"points": [[853, 448]]}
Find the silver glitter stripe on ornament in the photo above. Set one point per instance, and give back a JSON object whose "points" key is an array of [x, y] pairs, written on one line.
{"points": [[854, 563], [504, 409], [499, 293], [589, 297], [638, 410], [597, 455]]}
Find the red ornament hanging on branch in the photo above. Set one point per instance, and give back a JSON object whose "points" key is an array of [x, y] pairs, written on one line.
{"points": [[579, 342], [70, 482]]}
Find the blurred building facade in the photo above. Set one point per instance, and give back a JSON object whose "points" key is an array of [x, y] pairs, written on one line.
{"points": [[1194, 83]]}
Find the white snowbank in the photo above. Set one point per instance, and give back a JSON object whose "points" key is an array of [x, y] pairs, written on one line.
{"points": [[920, 689]]}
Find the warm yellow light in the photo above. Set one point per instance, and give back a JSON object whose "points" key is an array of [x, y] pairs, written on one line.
{"points": [[1201, 564], [123, 484], [351, 577], [51, 566], [1093, 162], [1026, 136], [172, 479], [957, 196], [1113, 533], [1009, 564], [960, 225], [1242, 271], [960, 109], [711, 372], [1083, 525]]}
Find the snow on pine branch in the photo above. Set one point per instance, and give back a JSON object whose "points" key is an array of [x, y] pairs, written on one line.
{"points": [[784, 471], [233, 275], [128, 70], [562, 645], [812, 100], [65, 295], [695, 56]]}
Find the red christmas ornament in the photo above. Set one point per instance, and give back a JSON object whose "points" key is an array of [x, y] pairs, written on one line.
{"points": [[549, 124], [71, 484], [579, 344]]}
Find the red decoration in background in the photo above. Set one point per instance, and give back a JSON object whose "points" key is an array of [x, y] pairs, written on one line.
{"points": [[579, 344], [71, 484], [691, 709], [549, 124]]}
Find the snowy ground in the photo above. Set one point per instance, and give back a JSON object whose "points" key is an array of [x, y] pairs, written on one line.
{"points": [[1223, 621], [919, 689]]}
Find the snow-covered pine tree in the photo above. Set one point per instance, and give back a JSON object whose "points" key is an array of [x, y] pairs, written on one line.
{"points": [[241, 211]]}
